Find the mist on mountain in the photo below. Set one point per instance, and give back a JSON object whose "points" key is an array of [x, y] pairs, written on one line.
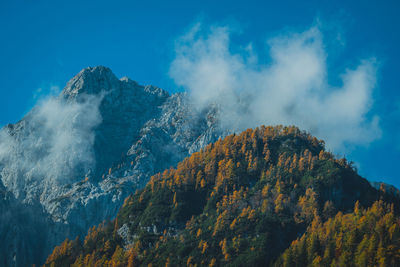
{"points": [[289, 86]]}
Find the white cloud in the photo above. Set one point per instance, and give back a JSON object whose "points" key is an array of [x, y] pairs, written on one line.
{"points": [[55, 140], [290, 89]]}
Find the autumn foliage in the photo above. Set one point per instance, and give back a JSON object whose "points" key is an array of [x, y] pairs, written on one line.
{"points": [[239, 201], [365, 237]]}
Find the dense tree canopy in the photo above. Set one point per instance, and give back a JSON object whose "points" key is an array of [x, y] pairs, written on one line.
{"points": [[239, 201], [365, 237]]}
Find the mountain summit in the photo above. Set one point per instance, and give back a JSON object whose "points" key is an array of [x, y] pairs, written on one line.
{"points": [[72, 160], [92, 81]]}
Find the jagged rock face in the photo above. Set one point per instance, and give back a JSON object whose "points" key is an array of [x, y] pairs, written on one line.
{"points": [[70, 162], [124, 109]]}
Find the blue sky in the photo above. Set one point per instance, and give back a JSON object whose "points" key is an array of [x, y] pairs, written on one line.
{"points": [[45, 43]]}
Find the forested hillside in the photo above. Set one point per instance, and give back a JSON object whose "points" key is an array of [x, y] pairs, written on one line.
{"points": [[365, 237], [244, 200]]}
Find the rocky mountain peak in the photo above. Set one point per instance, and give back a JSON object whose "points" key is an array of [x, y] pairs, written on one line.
{"points": [[91, 80], [70, 163]]}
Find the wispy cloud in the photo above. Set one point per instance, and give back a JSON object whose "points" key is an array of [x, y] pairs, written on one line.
{"points": [[53, 143], [290, 88]]}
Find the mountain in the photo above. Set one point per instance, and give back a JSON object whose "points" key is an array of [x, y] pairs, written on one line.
{"points": [[246, 200], [73, 159]]}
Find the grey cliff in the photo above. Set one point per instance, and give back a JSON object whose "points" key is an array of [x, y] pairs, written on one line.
{"points": [[70, 163]]}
